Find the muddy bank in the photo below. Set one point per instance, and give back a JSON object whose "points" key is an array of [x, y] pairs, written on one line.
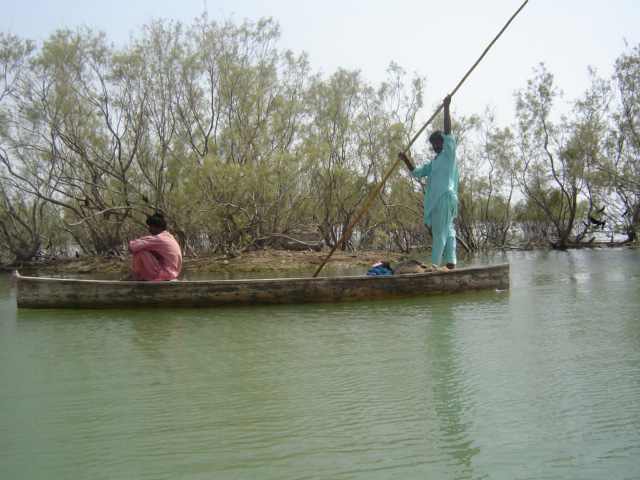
{"points": [[259, 261]]}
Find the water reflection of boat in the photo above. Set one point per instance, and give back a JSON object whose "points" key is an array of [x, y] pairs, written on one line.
{"points": [[45, 292]]}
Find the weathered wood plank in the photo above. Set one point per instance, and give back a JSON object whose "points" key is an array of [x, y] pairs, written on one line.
{"points": [[38, 292]]}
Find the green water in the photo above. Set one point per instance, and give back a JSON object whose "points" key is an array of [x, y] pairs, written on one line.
{"points": [[540, 382]]}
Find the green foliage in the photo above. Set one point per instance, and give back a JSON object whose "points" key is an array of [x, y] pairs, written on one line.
{"points": [[238, 143], [621, 167]]}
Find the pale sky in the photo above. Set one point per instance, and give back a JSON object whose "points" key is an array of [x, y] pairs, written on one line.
{"points": [[437, 40]]}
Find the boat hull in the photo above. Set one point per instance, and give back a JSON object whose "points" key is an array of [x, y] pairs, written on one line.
{"points": [[40, 292]]}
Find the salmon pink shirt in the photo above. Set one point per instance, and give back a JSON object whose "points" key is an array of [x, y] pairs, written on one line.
{"points": [[165, 248]]}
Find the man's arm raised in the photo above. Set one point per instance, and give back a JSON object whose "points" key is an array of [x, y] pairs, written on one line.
{"points": [[447, 115]]}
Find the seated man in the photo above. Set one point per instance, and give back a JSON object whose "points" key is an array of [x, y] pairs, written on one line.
{"points": [[156, 257]]}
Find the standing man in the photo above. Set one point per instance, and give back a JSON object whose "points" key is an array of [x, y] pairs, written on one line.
{"points": [[156, 257], [441, 197]]}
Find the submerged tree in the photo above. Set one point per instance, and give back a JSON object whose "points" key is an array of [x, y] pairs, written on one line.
{"points": [[488, 170], [622, 160], [242, 133], [21, 219], [589, 130], [68, 144], [552, 176]]}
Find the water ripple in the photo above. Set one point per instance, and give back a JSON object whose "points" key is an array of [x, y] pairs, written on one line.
{"points": [[539, 382]]}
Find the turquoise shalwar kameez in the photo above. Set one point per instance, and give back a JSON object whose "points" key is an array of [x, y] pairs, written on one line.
{"points": [[441, 200]]}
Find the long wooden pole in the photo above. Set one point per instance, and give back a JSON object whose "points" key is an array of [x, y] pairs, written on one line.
{"points": [[415, 137]]}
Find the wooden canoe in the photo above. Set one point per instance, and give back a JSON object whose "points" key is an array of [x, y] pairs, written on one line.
{"points": [[43, 292]]}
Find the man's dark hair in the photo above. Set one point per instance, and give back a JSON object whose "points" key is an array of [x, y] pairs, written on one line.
{"points": [[157, 220], [437, 135]]}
